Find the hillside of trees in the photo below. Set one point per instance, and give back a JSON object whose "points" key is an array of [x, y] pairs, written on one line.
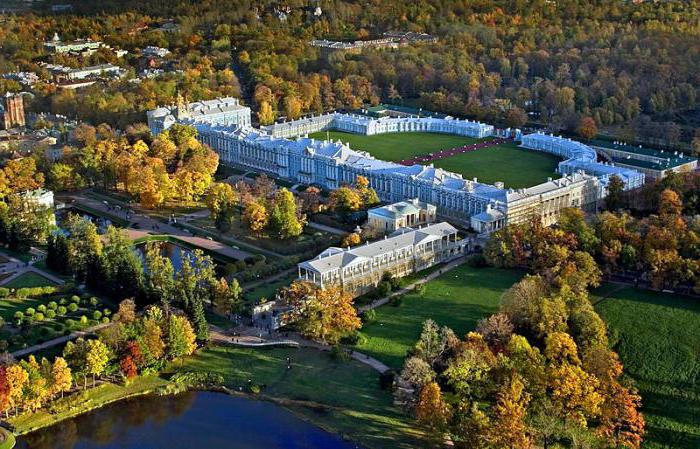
{"points": [[631, 67]]}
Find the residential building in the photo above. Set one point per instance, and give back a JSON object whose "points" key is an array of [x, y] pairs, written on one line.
{"points": [[360, 269], [404, 214], [12, 111], [155, 52], [62, 73], [83, 46]]}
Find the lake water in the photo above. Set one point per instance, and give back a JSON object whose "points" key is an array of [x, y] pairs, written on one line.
{"points": [[190, 420], [170, 250]]}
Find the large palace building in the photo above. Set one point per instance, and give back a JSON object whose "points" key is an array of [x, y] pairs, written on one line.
{"points": [[283, 151]]}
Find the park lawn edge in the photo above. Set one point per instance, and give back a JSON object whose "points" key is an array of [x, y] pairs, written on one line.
{"points": [[144, 385]]}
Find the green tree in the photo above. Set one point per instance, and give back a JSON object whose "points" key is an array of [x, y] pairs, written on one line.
{"points": [[97, 358], [613, 198], [284, 220], [181, 337]]}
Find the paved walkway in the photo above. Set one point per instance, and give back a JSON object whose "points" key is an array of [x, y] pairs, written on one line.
{"points": [[247, 336], [442, 154], [18, 268], [329, 229], [435, 274], [150, 226], [60, 340]]}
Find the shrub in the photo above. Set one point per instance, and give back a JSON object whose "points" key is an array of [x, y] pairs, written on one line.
{"points": [[4, 292], [62, 310], [75, 299], [53, 305], [41, 308], [83, 320], [72, 307], [369, 316], [19, 315], [50, 314], [70, 324], [106, 312], [63, 301], [39, 316], [94, 301], [340, 354], [396, 300], [477, 261], [96, 315], [30, 311], [383, 289], [386, 380], [105, 319]]}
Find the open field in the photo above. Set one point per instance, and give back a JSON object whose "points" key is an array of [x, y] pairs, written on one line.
{"points": [[507, 163], [458, 299], [28, 280], [355, 406], [397, 146], [658, 339]]}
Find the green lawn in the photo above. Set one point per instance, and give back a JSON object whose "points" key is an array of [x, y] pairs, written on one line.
{"points": [[28, 280], [658, 339], [458, 299], [357, 407], [514, 166], [268, 290], [397, 146]]}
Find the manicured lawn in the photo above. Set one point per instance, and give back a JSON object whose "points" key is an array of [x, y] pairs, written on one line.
{"points": [[397, 146], [658, 339], [458, 299], [29, 280], [268, 290], [514, 166], [357, 407]]}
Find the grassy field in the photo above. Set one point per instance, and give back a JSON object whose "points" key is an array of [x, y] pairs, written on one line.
{"points": [[507, 163], [398, 146], [355, 405], [658, 339], [458, 299], [28, 280]]}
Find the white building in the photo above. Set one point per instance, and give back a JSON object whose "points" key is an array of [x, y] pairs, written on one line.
{"points": [[227, 112], [61, 72], [155, 52], [360, 269], [404, 214]]}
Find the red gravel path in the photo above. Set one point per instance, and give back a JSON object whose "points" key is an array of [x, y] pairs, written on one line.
{"points": [[425, 158]]}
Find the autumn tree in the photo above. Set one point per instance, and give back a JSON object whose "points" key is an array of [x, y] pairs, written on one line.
{"points": [[181, 337], [352, 239], [97, 357], [508, 428], [328, 315], [587, 128], [256, 216], [431, 410], [227, 297], [61, 376], [222, 201]]}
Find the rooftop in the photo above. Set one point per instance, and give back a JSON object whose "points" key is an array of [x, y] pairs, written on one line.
{"points": [[336, 258]]}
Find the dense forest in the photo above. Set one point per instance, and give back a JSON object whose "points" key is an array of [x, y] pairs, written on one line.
{"points": [[631, 66]]}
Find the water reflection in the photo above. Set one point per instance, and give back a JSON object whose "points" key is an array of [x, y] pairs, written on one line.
{"points": [[189, 420]]}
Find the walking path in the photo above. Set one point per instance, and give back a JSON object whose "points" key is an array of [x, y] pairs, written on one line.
{"points": [[442, 154], [18, 268], [435, 274], [60, 340], [326, 228], [147, 225]]}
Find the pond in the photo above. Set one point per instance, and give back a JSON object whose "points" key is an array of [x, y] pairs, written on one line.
{"points": [[170, 250], [185, 421]]}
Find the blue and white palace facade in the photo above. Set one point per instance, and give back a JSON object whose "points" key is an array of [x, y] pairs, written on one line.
{"points": [[283, 151]]}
